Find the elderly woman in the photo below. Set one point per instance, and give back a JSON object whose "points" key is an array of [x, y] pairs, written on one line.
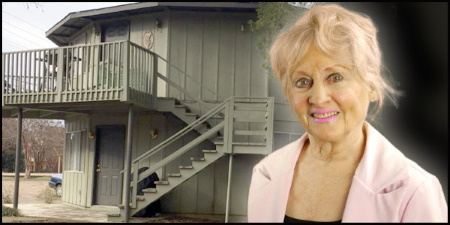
{"points": [[342, 169]]}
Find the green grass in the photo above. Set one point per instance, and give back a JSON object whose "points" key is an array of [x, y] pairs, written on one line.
{"points": [[43, 178], [7, 211]]}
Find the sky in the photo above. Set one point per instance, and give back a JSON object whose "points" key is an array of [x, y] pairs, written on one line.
{"points": [[24, 24]]}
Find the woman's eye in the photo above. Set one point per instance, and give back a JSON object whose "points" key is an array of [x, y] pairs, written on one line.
{"points": [[303, 82], [335, 77]]}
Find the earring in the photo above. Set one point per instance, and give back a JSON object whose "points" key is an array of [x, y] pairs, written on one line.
{"points": [[372, 95]]}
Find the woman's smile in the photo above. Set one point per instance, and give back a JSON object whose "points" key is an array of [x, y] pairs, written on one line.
{"points": [[324, 117]]}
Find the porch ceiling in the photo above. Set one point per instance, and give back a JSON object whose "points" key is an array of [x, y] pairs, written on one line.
{"points": [[68, 110], [61, 32]]}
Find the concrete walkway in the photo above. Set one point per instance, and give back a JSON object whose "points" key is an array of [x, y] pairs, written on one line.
{"points": [[32, 174], [95, 214]]}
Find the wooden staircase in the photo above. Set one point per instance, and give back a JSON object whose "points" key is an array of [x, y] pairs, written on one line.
{"points": [[221, 120], [183, 112], [164, 187]]}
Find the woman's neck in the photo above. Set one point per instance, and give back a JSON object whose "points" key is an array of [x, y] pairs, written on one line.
{"points": [[349, 149]]}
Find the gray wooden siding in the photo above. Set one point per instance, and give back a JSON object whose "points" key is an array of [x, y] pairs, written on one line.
{"points": [[203, 193], [77, 183], [147, 22], [86, 36], [220, 60]]}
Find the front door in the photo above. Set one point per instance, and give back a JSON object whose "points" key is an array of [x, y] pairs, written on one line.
{"points": [[110, 158]]}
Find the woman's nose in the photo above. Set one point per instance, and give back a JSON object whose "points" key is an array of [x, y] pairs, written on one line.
{"points": [[318, 95]]}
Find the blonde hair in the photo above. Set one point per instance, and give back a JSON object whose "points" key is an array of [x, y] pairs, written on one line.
{"points": [[333, 30]]}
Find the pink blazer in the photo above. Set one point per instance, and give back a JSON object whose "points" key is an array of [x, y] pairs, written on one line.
{"points": [[386, 187]]}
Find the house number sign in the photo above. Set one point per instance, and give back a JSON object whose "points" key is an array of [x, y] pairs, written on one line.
{"points": [[148, 40]]}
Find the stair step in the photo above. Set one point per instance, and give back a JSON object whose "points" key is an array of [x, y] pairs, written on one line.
{"points": [[250, 132], [174, 175], [121, 206], [149, 190], [140, 199], [114, 215], [163, 182], [185, 167], [209, 151], [242, 143], [191, 114], [180, 106], [197, 159]]}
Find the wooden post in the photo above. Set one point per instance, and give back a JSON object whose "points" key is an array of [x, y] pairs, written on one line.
{"points": [[59, 163], [127, 173], [227, 207], [155, 81], [59, 75], [3, 80], [126, 75], [18, 148]]}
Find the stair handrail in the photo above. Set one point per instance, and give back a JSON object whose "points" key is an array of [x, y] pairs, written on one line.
{"points": [[157, 75], [135, 164], [227, 125], [177, 153], [187, 75], [175, 85], [184, 131]]}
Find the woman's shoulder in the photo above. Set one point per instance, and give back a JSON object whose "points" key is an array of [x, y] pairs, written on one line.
{"points": [[396, 166], [417, 173]]}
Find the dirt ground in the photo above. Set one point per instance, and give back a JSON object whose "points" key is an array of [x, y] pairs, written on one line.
{"points": [[28, 191], [28, 194]]}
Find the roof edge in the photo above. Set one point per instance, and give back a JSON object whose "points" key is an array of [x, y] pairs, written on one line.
{"points": [[139, 5]]}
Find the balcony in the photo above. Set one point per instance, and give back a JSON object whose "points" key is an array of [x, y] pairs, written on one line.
{"points": [[105, 72]]}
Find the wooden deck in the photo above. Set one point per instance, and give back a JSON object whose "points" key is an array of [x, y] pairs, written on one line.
{"points": [[110, 71]]}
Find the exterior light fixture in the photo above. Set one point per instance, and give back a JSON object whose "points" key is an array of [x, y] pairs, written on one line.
{"points": [[91, 135], [154, 133], [158, 23]]}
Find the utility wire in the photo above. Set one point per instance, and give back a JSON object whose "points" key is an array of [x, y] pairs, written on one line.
{"points": [[13, 47], [23, 21], [22, 37], [13, 42], [25, 31], [16, 45]]}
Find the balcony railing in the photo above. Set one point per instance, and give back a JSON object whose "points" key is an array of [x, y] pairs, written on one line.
{"points": [[120, 71]]}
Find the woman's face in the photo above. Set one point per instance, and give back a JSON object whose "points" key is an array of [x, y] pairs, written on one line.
{"points": [[330, 100]]}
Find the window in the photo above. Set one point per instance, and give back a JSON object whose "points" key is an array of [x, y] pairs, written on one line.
{"points": [[75, 150]]}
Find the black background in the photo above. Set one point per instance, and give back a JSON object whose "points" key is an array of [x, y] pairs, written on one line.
{"points": [[414, 41]]}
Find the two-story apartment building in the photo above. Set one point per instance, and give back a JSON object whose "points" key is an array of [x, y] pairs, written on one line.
{"points": [[175, 87]]}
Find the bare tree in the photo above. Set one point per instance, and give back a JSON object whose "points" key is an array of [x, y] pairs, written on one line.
{"points": [[42, 143], [9, 132]]}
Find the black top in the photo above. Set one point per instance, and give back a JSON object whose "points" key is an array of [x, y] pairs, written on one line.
{"points": [[288, 219]]}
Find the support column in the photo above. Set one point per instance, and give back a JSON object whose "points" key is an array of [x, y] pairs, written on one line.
{"points": [[230, 169], [18, 148], [155, 81], [127, 173]]}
